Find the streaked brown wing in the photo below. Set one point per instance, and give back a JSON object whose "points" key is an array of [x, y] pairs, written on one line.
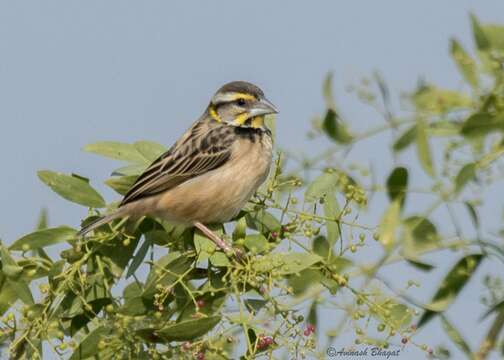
{"points": [[200, 152]]}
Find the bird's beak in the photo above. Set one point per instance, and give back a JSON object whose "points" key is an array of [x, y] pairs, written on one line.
{"points": [[263, 107]]}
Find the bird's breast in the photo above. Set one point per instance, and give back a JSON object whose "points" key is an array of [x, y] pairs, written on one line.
{"points": [[218, 195]]}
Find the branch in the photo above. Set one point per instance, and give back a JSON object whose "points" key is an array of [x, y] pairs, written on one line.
{"points": [[488, 343]]}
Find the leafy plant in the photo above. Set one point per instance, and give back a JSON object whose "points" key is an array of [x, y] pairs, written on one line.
{"points": [[150, 290]]}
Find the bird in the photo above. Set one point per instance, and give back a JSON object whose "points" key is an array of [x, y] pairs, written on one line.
{"points": [[211, 171]]}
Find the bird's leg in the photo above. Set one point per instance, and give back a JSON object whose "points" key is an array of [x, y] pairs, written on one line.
{"points": [[210, 234], [217, 240]]}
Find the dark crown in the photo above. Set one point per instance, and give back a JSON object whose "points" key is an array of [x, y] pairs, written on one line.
{"points": [[242, 87]]}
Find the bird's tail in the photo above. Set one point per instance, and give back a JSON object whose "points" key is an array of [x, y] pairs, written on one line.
{"points": [[102, 220]]}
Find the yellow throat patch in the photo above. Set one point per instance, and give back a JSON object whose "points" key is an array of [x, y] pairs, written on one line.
{"points": [[255, 122]]}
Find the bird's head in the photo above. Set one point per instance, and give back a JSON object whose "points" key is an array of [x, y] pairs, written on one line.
{"points": [[241, 104]]}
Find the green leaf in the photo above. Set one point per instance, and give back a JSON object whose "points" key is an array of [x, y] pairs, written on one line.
{"points": [[10, 267], [423, 147], [301, 282], [495, 35], [132, 290], [451, 286], [149, 150], [321, 246], [133, 302], [130, 170], [421, 234], [170, 267], [12, 271], [330, 284], [251, 335], [42, 222], [22, 290], [161, 237], [455, 336], [339, 263], [262, 221], [405, 139], [444, 128], [255, 304], [8, 295], [420, 265], [88, 347], [115, 260], [472, 212], [384, 90], [72, 188], [213, 302], [322, 185], [388, 225], [256, 242], [400, 316], [327, 91], [240, 230], [188, 330], [498, 307], [312, 314], [43, 238], [220, 259], [479, 36], [139, 257], [465, 63], [397, 185], [204, 246], [488, 36], [428, 98], [121, 184], [116, 150], [285, 263], [335, 128], [480, 124], [331, 210], [466, 174], [270, 123]]}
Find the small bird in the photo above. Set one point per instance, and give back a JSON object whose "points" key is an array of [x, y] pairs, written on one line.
{"points": [[209, 174]]}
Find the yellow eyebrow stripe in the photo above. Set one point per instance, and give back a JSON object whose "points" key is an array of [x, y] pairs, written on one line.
{"points": [[236, 96]]}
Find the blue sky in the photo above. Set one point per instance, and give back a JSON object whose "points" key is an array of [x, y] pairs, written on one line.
{"points": [[74, 72]]}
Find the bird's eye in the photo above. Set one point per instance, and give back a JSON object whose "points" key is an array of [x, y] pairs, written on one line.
{"points": [[240, 101]]}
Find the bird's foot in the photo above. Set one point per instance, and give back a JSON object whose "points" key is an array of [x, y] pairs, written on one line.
{"points": [[221, 244]]}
